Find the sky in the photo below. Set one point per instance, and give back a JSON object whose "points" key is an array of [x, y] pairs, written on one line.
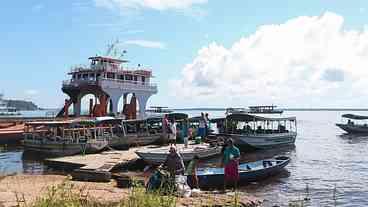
{"points": [[203, 53]]}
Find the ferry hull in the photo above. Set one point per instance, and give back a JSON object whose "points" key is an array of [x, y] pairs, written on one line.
{"points": [[264, 141], [353, 129]]}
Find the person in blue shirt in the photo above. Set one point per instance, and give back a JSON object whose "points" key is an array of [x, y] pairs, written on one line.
{"points": [[230, 162]]}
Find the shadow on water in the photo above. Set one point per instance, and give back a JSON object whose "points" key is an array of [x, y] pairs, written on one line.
{"points": [[255, 155]]}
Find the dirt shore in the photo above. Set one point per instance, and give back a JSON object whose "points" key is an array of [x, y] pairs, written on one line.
{"points": [[25, 189]]}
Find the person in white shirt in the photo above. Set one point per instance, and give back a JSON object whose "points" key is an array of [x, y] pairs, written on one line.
{"points": [[172, 137]]}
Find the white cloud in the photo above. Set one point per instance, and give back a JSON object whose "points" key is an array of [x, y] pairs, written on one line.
{"points": [[37, 7], [149, 4], [31, 92], [306, 61], [146, 43]]}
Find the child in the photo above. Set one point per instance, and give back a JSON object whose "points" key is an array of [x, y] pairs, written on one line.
{"points": [[192, 171]]}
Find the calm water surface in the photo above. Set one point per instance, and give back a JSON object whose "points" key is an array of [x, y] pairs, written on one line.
{"points": [[323, 159]]}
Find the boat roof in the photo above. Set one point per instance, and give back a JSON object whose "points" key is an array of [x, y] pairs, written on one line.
{"points": [[176, 115], [49, 122], [353, 116], [251, 117], [262, 107]]}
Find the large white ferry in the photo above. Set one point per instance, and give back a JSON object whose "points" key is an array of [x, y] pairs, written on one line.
{"points": [[6, 110]]}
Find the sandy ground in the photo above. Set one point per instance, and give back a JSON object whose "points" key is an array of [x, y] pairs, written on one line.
{"points": [[20, 189]]}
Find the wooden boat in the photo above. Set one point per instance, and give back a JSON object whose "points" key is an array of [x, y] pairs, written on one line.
{"points": [[258, 132], [354, 128], [62, 138], [248, 172], [11, 133], [158, 155], [125, 133]]}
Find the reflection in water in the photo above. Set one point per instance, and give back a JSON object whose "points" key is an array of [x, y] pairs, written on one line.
{"points": [[354, 138], [13, 161], [323, 158]]}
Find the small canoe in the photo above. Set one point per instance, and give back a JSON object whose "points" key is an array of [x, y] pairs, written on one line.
{"points": [[156, 156], [248, 172]]}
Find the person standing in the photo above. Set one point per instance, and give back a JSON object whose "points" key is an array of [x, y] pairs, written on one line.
{"points": [[174, 163], [191, 171], [230, 162], [173, 132], [202, 126], [207, 121], [166, 128]]}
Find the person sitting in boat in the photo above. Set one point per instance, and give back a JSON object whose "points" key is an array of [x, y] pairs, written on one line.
{"points": [[281, 128], [174, 163], [350, 122], [230, 161], [191, 171]]}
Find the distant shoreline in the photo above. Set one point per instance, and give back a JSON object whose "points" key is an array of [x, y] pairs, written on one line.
{"points": [[285, 109]]}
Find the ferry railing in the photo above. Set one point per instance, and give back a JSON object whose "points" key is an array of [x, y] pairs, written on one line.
{"points": [[127, 84], [110, 68], [114, 83], [74, 82]]}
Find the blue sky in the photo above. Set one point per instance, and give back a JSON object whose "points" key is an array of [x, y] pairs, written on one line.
{"points": [[40, 40]]}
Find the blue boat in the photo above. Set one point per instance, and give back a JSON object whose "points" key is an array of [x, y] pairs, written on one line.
{"points": [[248, 172]]}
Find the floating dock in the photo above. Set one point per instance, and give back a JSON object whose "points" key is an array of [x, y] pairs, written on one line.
{"points": [[94, 167]]}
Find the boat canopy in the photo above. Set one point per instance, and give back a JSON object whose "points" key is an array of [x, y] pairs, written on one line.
{"points": [[353, 116], [48, 123], [250, 117], [177, 116], [217, 120]]}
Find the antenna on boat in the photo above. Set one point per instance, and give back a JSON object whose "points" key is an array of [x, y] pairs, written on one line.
{"points": [[112, 48]]}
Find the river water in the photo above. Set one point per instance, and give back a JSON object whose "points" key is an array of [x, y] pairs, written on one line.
{"points": [[330, 166]]}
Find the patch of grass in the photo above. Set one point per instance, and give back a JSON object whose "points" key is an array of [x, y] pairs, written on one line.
{"points": [[67, 195]]}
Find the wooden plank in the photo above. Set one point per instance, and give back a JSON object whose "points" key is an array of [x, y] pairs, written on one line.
{"points": [[103, 161]]}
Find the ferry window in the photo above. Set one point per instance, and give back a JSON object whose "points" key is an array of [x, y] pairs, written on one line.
{"points": [[73, 76], [85, 76], [98, 75], [143, 80], [121, 77], [92, 76], [110, 75], [129, 77], [79, 76], [135, 79]]}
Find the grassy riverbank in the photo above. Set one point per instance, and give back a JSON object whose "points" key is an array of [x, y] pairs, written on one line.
{"points": [[60, 191]]}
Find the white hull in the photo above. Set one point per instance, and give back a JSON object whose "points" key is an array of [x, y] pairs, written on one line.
{"points": [[263, 141], [158, 155]]}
